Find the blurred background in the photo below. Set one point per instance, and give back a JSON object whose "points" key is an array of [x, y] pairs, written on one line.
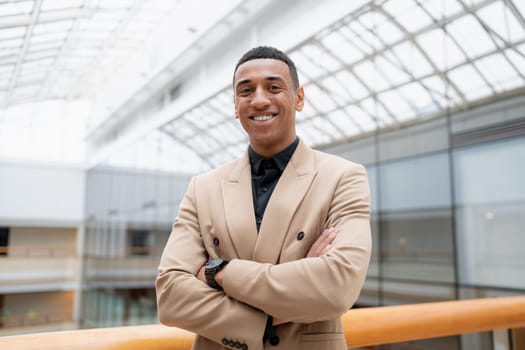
{"points": [[108, 107]]}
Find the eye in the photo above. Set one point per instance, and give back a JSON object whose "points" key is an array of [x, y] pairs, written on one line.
{"points": [[274, 88], [244, 91]]}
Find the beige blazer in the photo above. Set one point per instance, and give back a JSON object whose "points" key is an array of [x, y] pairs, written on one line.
{"points": [[268, 273]]}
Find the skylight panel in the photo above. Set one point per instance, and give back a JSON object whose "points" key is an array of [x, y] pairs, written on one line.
{"points": [[38, 64], [364, 120], [341, 48], [321, 58], [499, 72], [500, 19], [391, 70], [100, 25], [322, 130], [8, 68], [60, 4], [443, 8], [33, 55], [202, 116], [410, 16], [472, 2], [355, 52], [308, 133], [32, 77], [308, 109], [161, 6], [47, 37], [204, 142], [437, 89], [396, 104], [138, 27], [16, 8], [417, 97], [233, 130], [371, 75], [12, 33], [344, 122], [364, 40], [216, 105], [464, 30], [322, 102], [470, 82], [517, 56], [377, 111], [8, 59], [520, 5], [336, 90], [352, 85], [388, 33], [182, 129], [24, 92], [116, 4], [45, 45], [11, 43], [441, 49], [60, 27], [305, 66]]}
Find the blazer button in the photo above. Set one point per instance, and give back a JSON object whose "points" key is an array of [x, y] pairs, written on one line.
{"points": [[237, 345], [274, 340], [224, 341], [216, 241], [244, 346], [300, 235]]}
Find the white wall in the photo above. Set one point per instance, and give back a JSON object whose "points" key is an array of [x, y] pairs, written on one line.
{"points": [[41, 194]]}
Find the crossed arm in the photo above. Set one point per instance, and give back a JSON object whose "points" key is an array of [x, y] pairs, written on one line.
{"points": [[320, 247]]}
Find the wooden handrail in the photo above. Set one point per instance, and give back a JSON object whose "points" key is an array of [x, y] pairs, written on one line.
{"points": [[363, 327], [37, 251], [393, 324]]}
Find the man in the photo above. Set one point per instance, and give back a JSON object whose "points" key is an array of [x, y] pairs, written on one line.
{"points": [[269, 250]]}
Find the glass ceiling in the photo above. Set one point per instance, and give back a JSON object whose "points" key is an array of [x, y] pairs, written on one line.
{"points": [[388, 63], [54, 56], [49, 46]]}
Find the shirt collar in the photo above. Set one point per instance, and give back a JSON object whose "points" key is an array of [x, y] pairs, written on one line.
{"points": [[281, 159]]}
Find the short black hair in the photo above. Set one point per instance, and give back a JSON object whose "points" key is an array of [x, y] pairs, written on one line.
{"points": [[271, 53]]}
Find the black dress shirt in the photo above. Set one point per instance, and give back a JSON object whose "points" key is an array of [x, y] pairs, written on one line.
{"points": [[266, 172]]}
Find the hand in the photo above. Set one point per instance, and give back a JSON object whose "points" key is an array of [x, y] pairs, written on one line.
{"points": [[201, 276], [323, 243], [218, 277]]}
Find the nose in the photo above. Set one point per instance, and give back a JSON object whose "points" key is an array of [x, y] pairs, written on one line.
{"points": [[260, 99]]}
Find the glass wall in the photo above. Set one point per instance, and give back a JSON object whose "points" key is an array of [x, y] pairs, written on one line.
{"points": [[129, 214], [490, 208]]}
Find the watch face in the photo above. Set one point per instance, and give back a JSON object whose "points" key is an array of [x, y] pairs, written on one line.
{"points": [[214, 263]]}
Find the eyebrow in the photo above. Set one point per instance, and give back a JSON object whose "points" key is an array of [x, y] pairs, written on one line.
{"points": [[270, 78]]}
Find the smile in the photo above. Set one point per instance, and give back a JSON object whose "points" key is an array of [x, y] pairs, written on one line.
{"points": [[261, 118]]}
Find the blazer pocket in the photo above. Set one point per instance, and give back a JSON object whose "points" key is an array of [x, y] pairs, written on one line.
{"points": [[332, 341]]}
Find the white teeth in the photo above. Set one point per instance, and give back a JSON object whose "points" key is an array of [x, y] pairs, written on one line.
{"points": [[262, 117]]}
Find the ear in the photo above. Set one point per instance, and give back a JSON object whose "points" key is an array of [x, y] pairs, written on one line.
{"points": [[235, 108], [299, 99]]}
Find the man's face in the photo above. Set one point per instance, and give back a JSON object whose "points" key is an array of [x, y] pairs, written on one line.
{"points": [[265, 104]]}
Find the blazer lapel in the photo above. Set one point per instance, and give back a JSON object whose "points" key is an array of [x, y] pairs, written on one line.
{"points": [[286, 197], [238, 208]]}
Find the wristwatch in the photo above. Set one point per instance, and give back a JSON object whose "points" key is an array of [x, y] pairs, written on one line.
{"points": [[210, 270]]}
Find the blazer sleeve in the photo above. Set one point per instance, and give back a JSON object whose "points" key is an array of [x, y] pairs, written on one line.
{"points": [[314, 289], [186, 302]]}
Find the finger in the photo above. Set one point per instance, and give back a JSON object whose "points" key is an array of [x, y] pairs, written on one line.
{"points": [[326, 238], [327, 248]]}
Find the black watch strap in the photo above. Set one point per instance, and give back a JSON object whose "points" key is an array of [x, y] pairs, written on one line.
{"points": [[211, 268]]}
